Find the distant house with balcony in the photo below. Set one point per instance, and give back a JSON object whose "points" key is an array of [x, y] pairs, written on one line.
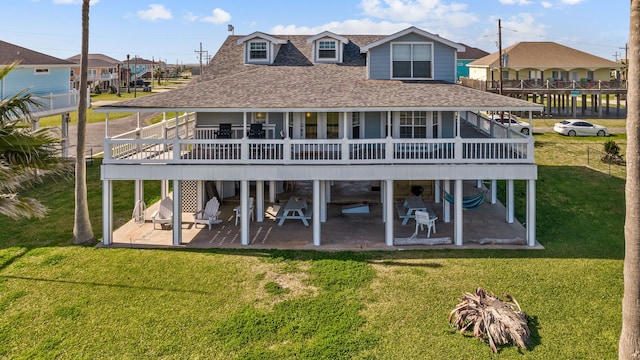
{"points": [[551, 71], [102, 71], [271, 109], [469, 55], [135, 68]]}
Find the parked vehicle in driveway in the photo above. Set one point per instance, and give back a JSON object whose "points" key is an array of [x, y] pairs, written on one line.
{"points": [[513, 123], [577, 127]]}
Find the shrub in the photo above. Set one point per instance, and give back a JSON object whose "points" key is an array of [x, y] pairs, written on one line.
{"points": [[612, 153]]}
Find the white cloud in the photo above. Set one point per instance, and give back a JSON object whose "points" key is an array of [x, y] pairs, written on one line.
{"points": [[571, 2], [155, 12], [352, 27], [515, 2], [520, 27], [189, 16], [218, 17], [413, 11], [546, 4]]}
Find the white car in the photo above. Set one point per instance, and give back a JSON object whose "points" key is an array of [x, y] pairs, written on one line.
{"points": [[577, 127], [513, 123]]}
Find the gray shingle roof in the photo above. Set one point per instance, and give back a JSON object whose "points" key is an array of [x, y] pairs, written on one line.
{"points": [[10, 53], [294, 82], [96, 60]]}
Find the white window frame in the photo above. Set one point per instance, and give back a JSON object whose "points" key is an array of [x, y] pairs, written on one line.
{"points": [[41, 71], [413, 116], [431, 56], [319, 48], [266, 50]]}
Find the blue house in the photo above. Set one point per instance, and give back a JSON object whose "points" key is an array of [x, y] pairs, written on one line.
{"points": [[271, 109]]}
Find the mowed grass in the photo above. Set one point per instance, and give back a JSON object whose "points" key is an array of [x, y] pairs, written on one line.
{"points": [[63, 301]]}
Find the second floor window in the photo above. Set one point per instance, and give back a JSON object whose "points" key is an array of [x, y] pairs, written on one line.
{"points": [[258, 50], [413, 124], [411, 61], [327, 50]]}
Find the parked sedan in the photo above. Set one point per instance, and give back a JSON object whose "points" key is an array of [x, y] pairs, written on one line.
{"points": [[576, 127], [513, 123]]}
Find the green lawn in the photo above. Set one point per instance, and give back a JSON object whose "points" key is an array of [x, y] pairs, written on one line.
{"points": [[63, 301]]}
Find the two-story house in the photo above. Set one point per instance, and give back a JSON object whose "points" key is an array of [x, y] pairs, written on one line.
{"points": [[102, 71], [46, 78], [323, 108]]}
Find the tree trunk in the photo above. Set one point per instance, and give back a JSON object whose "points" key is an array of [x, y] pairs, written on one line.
{"points": [[629, 347], [82, 231]]}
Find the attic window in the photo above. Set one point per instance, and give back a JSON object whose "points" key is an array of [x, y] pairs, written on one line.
{"points": [[327, 50], [258, 50], [41, 71]]}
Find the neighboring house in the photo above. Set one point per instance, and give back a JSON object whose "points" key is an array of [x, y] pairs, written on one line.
{"points": [[470, 54], [140, 68], [551, 70], [328, 108], [102, 71], [47, 78]]}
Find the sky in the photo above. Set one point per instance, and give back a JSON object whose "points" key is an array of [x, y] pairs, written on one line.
{"points": [[172, 30]]}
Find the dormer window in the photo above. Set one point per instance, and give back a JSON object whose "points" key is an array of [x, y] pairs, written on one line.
{"points": [[327, 50], [411, 61], [258, 50]]}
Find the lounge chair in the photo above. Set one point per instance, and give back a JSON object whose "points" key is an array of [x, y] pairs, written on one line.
{"points": [[238, 210], [164, 214], [209, 215], [424, 218]]}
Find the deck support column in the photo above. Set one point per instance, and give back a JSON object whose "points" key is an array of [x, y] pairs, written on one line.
{"points": [[65, 135], [244, 212], [259, 201], [323, 200], [316, 212], [164, 189], [457, 232], [446, 206], [176, 226], [436, 196], [494, 191], [531, 212], [138, 191], [107, 212], [327, 194], [510, 201], [388, 205], [272, 191]]}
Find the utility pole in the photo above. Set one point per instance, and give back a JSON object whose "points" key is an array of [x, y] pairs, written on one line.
{"points": [[200, 55], [500, 65]]}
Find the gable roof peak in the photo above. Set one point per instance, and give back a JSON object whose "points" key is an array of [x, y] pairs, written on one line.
{"points": [[415, 30], [259, 34], [329, 34]]}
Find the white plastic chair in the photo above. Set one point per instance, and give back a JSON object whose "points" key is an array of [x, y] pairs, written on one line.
{"points": [[164, 214], [423, 218], [238, 210], [209, 215]]}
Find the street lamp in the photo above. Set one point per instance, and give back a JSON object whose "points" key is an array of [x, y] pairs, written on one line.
{"points": [[128, 74]]}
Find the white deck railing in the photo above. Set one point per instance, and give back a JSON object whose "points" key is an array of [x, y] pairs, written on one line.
{"points": [[56, 103], [158, 144]]}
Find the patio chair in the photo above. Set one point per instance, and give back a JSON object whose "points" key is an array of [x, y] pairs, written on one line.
{"points": [[164, 214], [209, 215], [224, 131], [424, 218], [256, 131], [238, 210]]}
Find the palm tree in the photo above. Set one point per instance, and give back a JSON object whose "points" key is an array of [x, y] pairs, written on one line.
{"points": [[26, 155], [82, 231], [629, 347]]}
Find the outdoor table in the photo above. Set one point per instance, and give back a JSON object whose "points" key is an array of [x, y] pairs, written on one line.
{"points": [[295, 209], [413, 204]]}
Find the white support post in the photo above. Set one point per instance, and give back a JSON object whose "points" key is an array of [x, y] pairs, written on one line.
{"points": [[244, 125], [383, 191], [327, 193], [531, 212], [389, 129], [479, 183], [388, 205], [65, 135], [244, 212], [494, 191], [457, 232], [107, 212], [138, 121], [164, 189], [345, 126], [138, 191], [316, 212], [272, 191], [457, 118], [177, 213], [446, 206], [106, 125], [286, 126], [436, 196], [259, 201], [510, 205], [323, 200], [200, 195], [220, 189]]}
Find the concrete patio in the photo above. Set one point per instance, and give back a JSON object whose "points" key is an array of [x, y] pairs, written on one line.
{"points": [[483, 228]]}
